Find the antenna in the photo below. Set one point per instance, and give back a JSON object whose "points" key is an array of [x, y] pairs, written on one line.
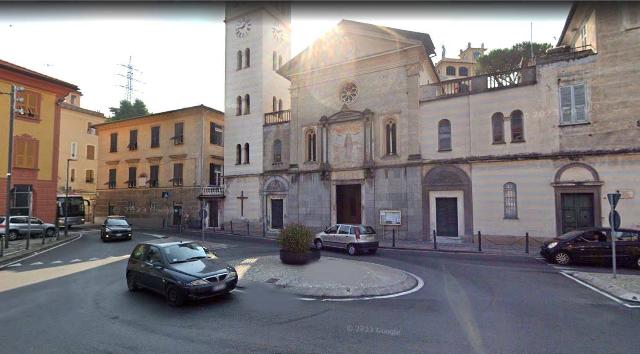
{"points": [[129, 90]]}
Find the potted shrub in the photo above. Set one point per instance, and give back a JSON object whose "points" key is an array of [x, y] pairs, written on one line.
{"points": [[295, 245]]}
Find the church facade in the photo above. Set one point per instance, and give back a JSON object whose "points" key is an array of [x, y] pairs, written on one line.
{"points": [[366, 126]]}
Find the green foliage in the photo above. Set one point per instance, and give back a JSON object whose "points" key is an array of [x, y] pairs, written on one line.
{"points": [[128, 110], [506, 59], [295, 238]]}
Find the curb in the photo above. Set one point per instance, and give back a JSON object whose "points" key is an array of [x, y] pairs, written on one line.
{"points": [[610, 289], [456, 251], [5, 262]]}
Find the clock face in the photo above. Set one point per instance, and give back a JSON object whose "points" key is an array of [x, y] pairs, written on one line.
{"points": [[278, 33], [243, 26]]}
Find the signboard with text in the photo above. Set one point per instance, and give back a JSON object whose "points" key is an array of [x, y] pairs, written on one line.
{"points": [[390, 217]]}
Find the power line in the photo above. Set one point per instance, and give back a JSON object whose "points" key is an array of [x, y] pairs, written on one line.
{"points": [[128, 86]]}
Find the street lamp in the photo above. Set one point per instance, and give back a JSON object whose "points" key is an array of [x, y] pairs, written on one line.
{"points": [[66, 201], [12, 110]]}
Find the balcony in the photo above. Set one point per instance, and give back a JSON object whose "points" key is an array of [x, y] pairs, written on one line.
{"points": [[278, 117], [212, 192], [481, 83]]}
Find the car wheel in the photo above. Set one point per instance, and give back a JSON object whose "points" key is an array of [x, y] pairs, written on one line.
{"points": [[50, 232], [174, 298], [351, 248], [13, 235], [318, 244], [131, 282], [372, 250], [562, 258], [636, 264]]}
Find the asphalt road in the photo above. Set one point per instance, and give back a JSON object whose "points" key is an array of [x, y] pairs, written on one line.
{"points": [[74, 299]]}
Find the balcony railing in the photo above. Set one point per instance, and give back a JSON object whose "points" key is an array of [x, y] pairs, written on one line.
{"points": [[277, 117], [212, 191], [481, 83]]}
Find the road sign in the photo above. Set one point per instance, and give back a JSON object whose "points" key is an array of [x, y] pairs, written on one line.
{"points": [[203, 213], [614, 220], [165, 195], [613, 199]]}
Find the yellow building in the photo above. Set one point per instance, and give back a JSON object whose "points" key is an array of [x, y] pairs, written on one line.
{"points": [[463, 66], [79, 142], [158, 168], [35, 139]]}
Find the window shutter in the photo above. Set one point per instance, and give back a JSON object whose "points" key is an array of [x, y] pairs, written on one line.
{"points": [[21, 153], [579, 101], [565, 104], [30, 154]]}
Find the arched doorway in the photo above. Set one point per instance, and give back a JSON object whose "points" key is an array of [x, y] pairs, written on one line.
{"points": [[275, 191], [447, 202], [577, 196]]}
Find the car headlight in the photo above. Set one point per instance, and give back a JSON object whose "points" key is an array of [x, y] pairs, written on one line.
{"points": [[552, 245], [232, 274], [107, 229], [198, 282]]}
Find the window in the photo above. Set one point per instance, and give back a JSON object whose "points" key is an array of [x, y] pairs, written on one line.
{"points": [[510, 201], [247, 104], [88, 176], [114, 143], [497, 128], [239, 60], [112, 178], [19, 201], [573, 104], [444, 135], [139, 252], [279, 61], [238, 105], [73, 99], [277, 151], [517, 127], [30, 105], [178, 135], [631, 16], [311, 145], [390, 132], [155, 137], [451, 70], [344, 230], [275, 61], [154, 172], [238, 154], [74, 151], [583, 36], [279, 105], [72, 177], [91, 129], [275, 104], [153, 255], [246, 153], [332, 230], [26, 152], [131, 183], [463, 71], [91, 152], [215, 174], [247, 58], [133, 139], [111, 209], [177, 174], [215, 134]]}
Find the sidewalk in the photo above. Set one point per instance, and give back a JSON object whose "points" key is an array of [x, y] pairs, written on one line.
{"points": [[624, 286], [18, 248]]}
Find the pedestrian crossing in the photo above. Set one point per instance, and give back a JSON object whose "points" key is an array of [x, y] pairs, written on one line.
{"points": [[58, 262]]}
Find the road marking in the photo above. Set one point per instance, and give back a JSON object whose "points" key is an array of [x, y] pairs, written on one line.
{"points": [[599, 291], [93, 258], [41, 252], [36, 263], [236, 290], [75, 260], [15, 265], [153, 235], [56, 262]]}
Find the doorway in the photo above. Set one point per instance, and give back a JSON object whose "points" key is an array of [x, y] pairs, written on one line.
{"points": [[213, 213], [348, 204], [277, 213], [447, 217], [577, 211], [177, 215]]}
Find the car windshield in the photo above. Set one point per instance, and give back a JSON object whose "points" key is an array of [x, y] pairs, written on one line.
{"points": [[184, 252], [569, 235], [1, 219], [117, 222]]}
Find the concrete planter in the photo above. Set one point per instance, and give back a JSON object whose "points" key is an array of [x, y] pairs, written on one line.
{"points": [[292, 258]]}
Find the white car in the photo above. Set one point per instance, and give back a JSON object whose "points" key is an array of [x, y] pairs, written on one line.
{"points": [[19, 227], [353, 238]]}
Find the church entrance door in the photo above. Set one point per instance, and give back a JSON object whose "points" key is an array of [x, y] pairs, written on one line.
{"points": [[277, 213], [348, 204]]}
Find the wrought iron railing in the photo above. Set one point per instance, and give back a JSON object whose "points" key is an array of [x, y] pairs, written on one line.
{"points": [[277, 117]]}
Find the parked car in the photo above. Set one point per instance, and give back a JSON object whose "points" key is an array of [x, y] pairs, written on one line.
{"points": [[179, 271], [19, 227], [115, 228], [593, 245], [353, 238]]}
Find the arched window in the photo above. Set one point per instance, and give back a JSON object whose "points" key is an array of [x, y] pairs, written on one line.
{"points": [[238, 154], [311, 145], [239, 60], [246, 152], [247, 104], [497, 128], [451, 70], [275, 60], [275, 104], [277, 151], [463, 71], [279, 61], [390, 134], [238, 105], [517, 126], [279, 105], [510, 200], [247, 58], [444, 135]]}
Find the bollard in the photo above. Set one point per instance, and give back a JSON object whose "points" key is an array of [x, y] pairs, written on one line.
{"points": [[393, 238], [2, 246], [435, 243], [526, 243], [248, 234], [479, 241], [231, 226]]}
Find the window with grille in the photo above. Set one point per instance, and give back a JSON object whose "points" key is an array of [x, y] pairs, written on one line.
{"points": [[444, 135], [510, 201], [573, 104]]}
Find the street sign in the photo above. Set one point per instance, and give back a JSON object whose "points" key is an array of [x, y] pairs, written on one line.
{"points": [[165, 195], [613, 199], [614, 220], [203, 213]]}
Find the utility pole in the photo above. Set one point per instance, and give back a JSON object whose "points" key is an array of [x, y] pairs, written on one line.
{"points": [[12, 110], [128, 86], [66, 202]]}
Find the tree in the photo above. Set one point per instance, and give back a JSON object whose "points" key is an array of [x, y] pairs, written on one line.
{"points": [[128, 110], [506, 59]]}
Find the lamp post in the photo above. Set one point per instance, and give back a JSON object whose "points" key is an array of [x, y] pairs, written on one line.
{"points": [[66, 201], [12, 110]]}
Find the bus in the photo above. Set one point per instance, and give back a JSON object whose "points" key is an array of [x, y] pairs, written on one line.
{"points": [[76, 209]]}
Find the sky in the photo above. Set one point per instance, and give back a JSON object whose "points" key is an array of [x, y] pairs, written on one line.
{"points": [[179, 48]]}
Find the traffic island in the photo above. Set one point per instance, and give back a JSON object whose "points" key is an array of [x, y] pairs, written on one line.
{"points": [[327, 277], [624, 287]]}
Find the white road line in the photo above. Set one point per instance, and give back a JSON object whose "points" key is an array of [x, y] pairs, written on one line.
{"points": [[56, 262], [15, 265], [599, 291], [41, 252], [36, 263], [93, 258], [236, 290], [75, 260], [153, 235]]}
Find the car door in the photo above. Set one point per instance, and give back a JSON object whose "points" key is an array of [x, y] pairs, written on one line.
{"points": [[342, 238], [627, 246], [152, 274], [37, 226], [329, 235], [19, 223]]}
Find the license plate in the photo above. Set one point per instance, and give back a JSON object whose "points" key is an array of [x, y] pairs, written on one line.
{"points": [[218, 287]]}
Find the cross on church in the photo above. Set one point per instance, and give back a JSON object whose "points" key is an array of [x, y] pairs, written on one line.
{"points": [[242, 198]]}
